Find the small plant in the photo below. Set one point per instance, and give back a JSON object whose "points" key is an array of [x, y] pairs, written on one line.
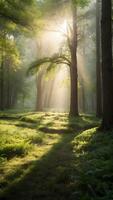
{"points": [[11, 150], [37, 139]]}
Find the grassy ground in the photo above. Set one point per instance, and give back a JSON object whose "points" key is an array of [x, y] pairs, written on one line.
{"points": [[47, 156]]}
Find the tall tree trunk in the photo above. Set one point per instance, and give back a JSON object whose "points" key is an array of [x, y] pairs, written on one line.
{"points": [[107, 80], [84, 56], [98, 60], [73, 67]]}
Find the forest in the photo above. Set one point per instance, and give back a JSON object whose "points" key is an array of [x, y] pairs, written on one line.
{"points": [[56, 100]]}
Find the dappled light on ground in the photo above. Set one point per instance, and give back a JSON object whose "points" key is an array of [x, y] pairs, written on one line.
{"points": [[51, 156]]}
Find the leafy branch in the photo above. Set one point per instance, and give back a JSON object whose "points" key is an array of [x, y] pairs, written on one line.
{"points": [[49, 62]]}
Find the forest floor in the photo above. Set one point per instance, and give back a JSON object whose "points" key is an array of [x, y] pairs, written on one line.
{"points": [[49, 156]]}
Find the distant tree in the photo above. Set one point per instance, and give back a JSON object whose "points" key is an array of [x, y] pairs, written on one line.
{"points": [[72, 61], [10, 65], [16, 18], [39, 103]]}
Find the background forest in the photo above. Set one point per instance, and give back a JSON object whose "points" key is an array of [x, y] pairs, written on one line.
{"points": [[29, 36]]}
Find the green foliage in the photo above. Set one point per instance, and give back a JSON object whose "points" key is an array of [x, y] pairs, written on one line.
{"points": [[77, 164], [81, 3], [49, 63], [9, 49], [23, 139], [11, 150], [93, 148], [22, 13], [52, 5]]}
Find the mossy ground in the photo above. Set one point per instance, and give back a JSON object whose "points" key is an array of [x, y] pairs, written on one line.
{"points": [[49, 156]]}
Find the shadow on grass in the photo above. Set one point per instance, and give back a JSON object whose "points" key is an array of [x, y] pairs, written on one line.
{"points": [[67, 171], [47, 178], [94, 172], [58, 126], [61, 174]]}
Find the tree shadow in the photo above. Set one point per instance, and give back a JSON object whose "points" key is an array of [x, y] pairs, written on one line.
{"points": [[94, 171], [54, 176], [47, 178]]}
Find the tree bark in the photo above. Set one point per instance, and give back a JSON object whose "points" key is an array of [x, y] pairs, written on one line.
{"points": [[98, 61], [73, 67], [107, 80]]}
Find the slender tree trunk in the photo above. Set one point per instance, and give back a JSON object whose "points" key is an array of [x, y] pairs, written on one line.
{"points": [[107, 80], [73, 68], [84, 56], [39, 106], [2, 83], [8, 87], [83, 98], [98, 60], [49, 88]]}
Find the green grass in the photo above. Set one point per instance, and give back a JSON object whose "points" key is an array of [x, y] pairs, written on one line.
{"points": [[49, 156]]}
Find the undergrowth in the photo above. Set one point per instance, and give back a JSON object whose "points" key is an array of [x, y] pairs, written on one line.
{"points": [[51, 156]]}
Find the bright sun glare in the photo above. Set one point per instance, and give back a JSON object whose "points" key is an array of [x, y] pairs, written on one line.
{"points": [[53, 37], [64, 27], [60, 31]]}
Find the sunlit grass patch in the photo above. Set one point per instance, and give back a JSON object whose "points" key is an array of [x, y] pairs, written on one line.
{"points": [[60, 121], [20, 147], [33, 117], [17, 141], [51, 150], [10, 150]]}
